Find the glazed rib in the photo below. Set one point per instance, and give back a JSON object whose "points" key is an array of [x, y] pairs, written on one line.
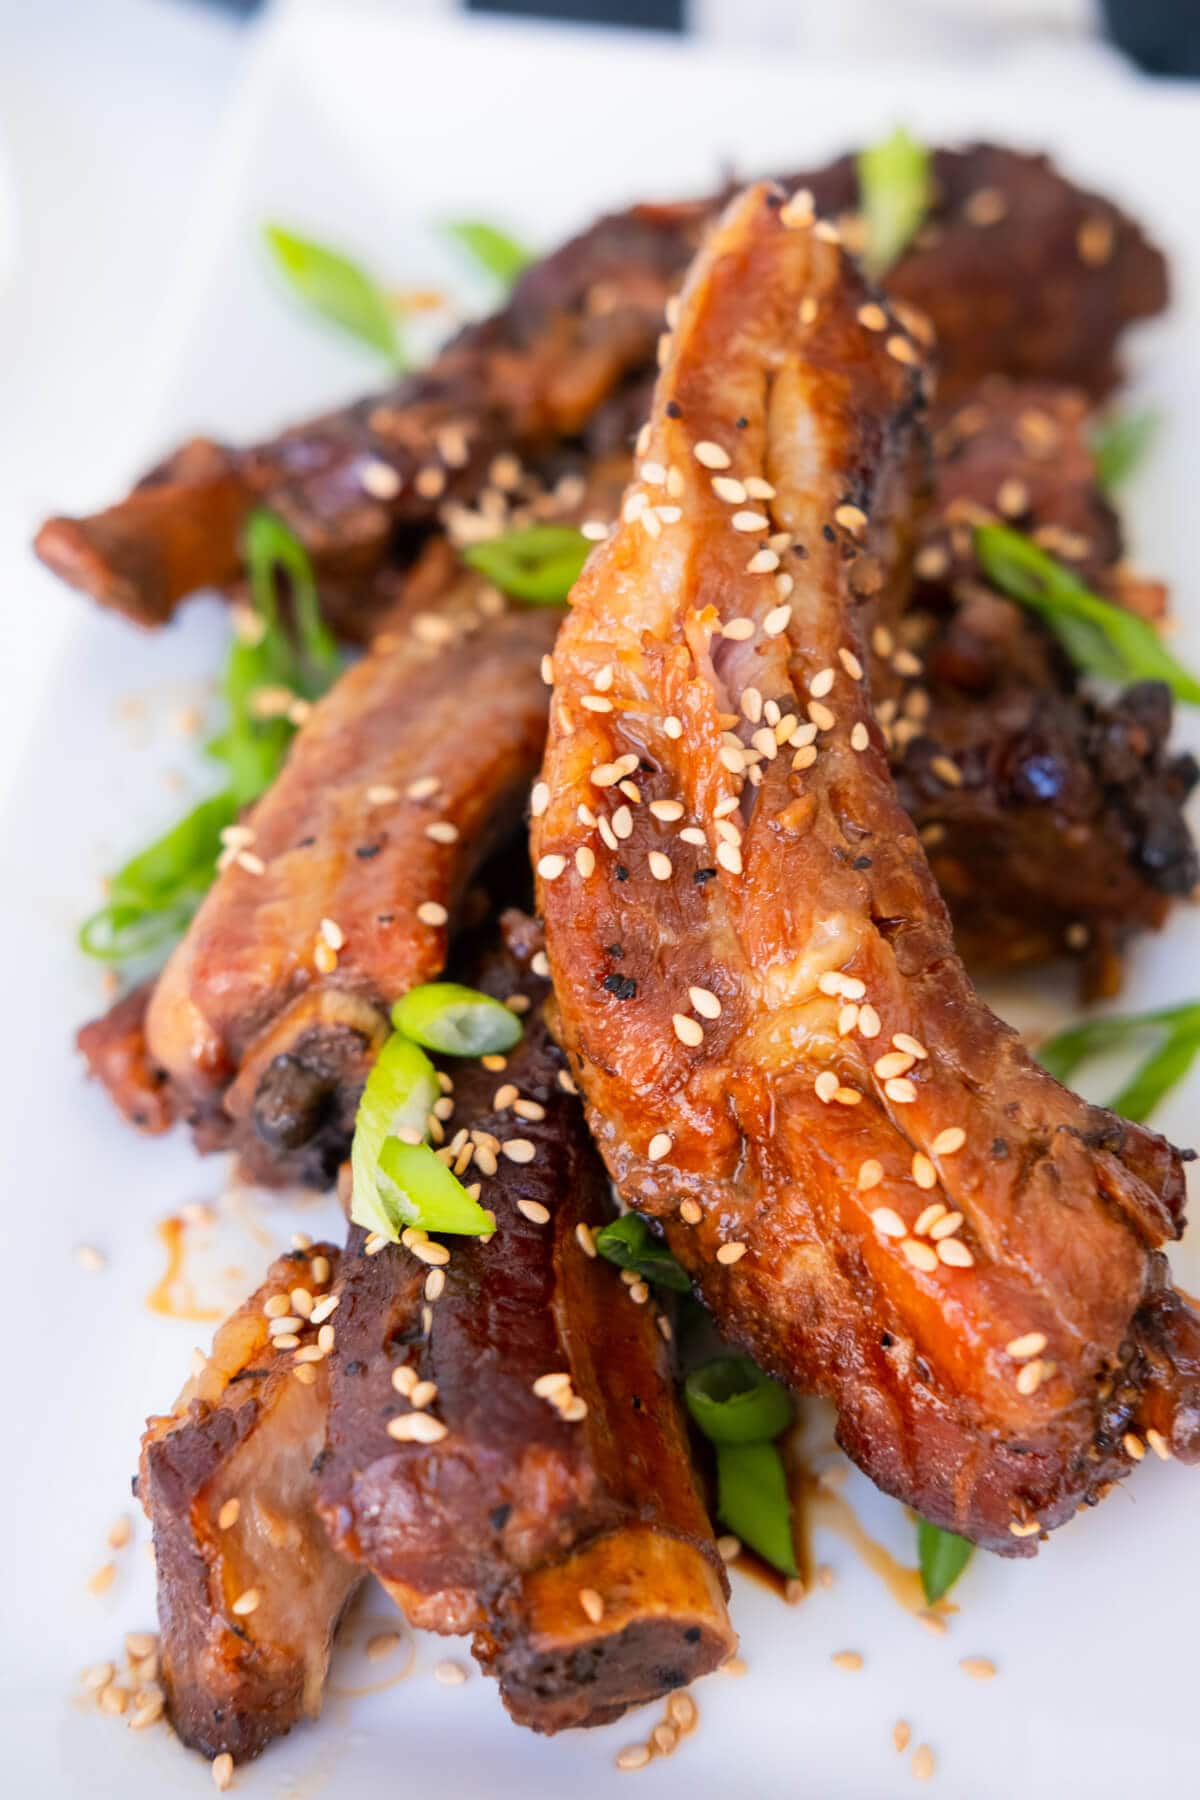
{"points": [[225, 1480], [575, 1548], [1018, 271], [412, 769], [892, 1204], [1053, 821]]}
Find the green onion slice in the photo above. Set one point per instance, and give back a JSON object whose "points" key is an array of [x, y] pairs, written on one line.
{"points": [[1174, 1032], [399, 1096], [733, 1402], [1101, 638], [942, 1558], [416, 1188], [338, 289], [1120, 444], [153, 896], [539, 564], [753, 1501], [630, 1243], [895, 187], [272, 548], [459, 1021], [494, 250]]}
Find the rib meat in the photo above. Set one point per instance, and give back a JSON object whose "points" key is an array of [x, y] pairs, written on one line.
{"points": [[248, 1593], [893, 1205], [503, 1524], [1017, 270], [412, 769]]}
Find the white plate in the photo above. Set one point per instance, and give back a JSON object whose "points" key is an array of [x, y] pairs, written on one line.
{"points": [[367, 131]]}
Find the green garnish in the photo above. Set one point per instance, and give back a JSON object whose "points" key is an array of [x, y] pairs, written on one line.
{"points": [[630, 1243], [1176, 1030], [416, 1188], [339, 289], [459, 1021], [494, 250], [753, 1501], [1120, 443], [733, 1402], [1102, 639], [400, 1094], [895, 189], [154, 895], [540, 563], [942, 1558]]}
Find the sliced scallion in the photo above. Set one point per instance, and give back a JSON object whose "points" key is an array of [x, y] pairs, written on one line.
{"points": [[895, 187], [339, 289], [1120, 444], [416, 1188], [1101, 638], [539, 564], [494, 250], [631, 1244], [399, 1096], [733, 1402], [942, 1557], [753, 1501], [1174, 1036], [458, 1021]]}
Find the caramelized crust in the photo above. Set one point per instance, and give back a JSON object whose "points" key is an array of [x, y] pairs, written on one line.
{"points": [[502, 1524], [114, 1049], [894, 1206], [263, 1026], [1018, 270], [248, 1594]]}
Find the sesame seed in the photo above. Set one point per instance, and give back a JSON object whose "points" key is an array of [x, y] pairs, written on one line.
{"points": [[634, 1756], [923, 1763], [946, 1227], [729, 857], [416, 1428], [705, 1002], [379, 480], [872, 317], [731, 1253], [893, 1062], [905, 663], [102, 1579], [947, 771], [738, 630], [404, 1378], [690, 1212], [435, 1282], [777, 621], [228, 1515], [850, 1660], [870, 1174], [847, 1019], [667, 810], [805, 757], [900, 348], [725, 487], [557, 1382], [539, 799], [659, 1146], [688, 1031], [979, 1668], [585, 861], [900, 1090], [661, 867], [534, 1211], [592, 1604], [653, 474], [826, 1085], [821, 683], [547, 670], [519, 1150], [585, 1239], [253, 865], [574, 1410], [948, 1141], [597, 703], [925, 1176], [1159, 1445], [221, 1769], [384, 1643], [711, 455], [88, 1257], [901, 1734], [1021, 1348], [622, 822], [673, 726], [431, 912], [798, 211], [887, 1221], [848, 1096], [1028, 1529], [449, 1673], [868, 1021], [551, 867], [954, 1253], [850, 518], [750, 521], [246, 1603], [532, 1110], [1133, 1446], [424, 1393], [288, 1339], [763, 562], [821, 716], [919, 1255]]}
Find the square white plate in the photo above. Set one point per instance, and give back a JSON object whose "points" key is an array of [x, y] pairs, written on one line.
{"points": [[368, 131]]}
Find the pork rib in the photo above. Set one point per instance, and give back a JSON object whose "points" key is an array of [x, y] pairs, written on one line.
{"points": [[892, 1204], [1018, 271], [249, 1586], [576, 1548]]}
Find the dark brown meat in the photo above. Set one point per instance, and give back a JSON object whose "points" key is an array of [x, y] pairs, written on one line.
{"points": [[1019, 272], [566, 1531], [114, 1048], [411, 770], [249, 1586], [1054, 822], [878, 1192]]}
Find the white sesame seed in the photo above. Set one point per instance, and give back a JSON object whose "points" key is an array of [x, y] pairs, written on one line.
{"points": [[758, 488], [821, 683], [763, 562], [534, 1211], [221, 1769], [731, 1253], [597, 703], [688, 1031], [870, 1174], [1159, 1445], [886, 1220], [892, 1062], [850, 518], [449, 1673], [659, 1146], [246, 1603], [667, 810], [431, 912], [925, 1176], [539, 799], [725, 487], [738, 630], [653, 474], [673, 726], [910, 1045], [661, 867], [954, 1253], [947, 1226], [750, 521], [860, 737], [551, 867], [826, 1085], [380, 480], [900, 1091], [519, 1150], [729, 857], [948, 1141], [416, 1428], [868, 1021], [705, 1002], [777, 620], [919, 1255], [711, 455], [1029, 1377], [585, 861]]}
